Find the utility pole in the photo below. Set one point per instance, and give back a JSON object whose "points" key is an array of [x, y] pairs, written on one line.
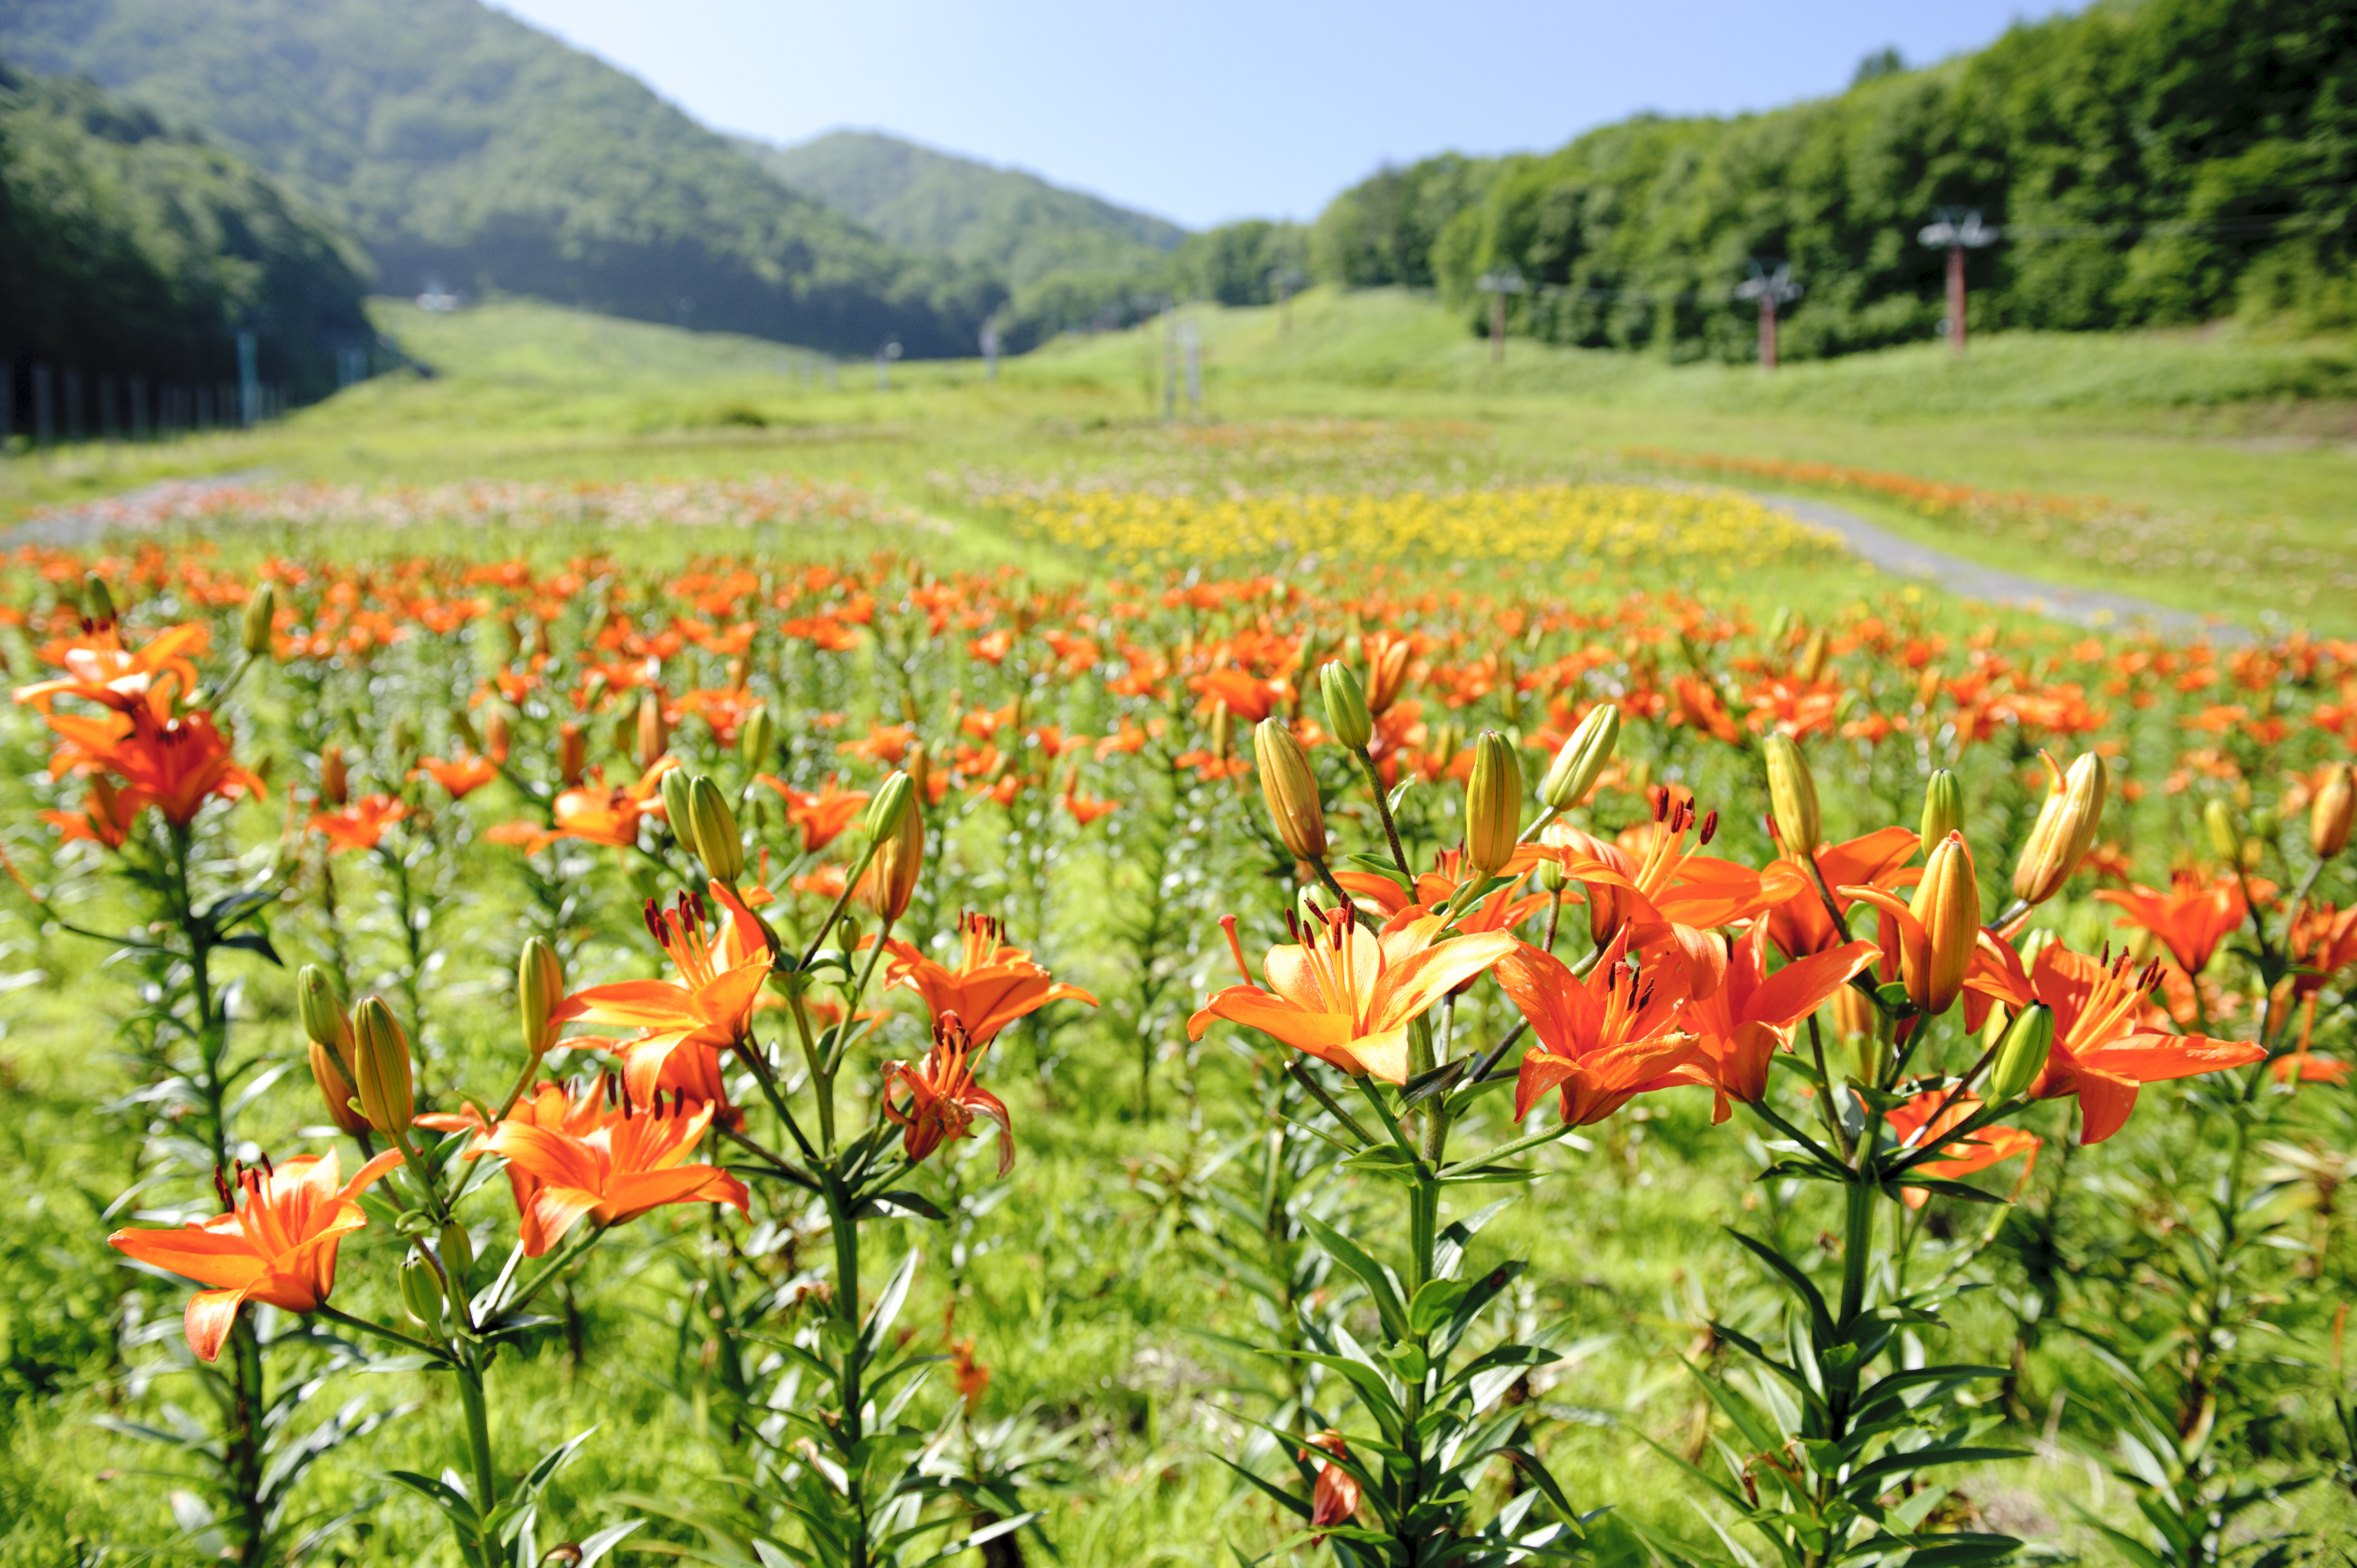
{"points": [[1498, 285], [1282, 281], [1772, 290], [1957, 230], [1170, 364], [884, 355], [990, 349], [1190, 339]]}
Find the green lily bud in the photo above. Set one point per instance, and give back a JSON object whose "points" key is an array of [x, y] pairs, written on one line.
{"points": [[381, 1060], [2331, 813], [717, 843], [539, 989], [889, 804], [325, 1022], [97, 604], [1493, 803], [457, 1250], [421, 1294], [2225, 838], [1943, 807], [328, 1071], [1582, 761], [254, 625], [1223, 732], [758, 736], [2021, 1053], [1793, 797], [1290, 787], [2065, 829], [679, 809], [1346, 705]]}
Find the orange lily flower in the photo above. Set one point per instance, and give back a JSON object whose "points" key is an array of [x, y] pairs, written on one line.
{"points": [[1753, 1015], [105, 818], [172, 764], [359, 825], [822, 817], [627, 1165], [1602, 1041], [2190, 919], [1335, 1497], [710, 1004], [1498, 912], [601, 815], [1799, 925], [277, 1248], [944, 1099], [1346, 995], [460, 775], [2104, 1046], [1989, 1146], [992, 986], [2324, 942], [99, 669]]}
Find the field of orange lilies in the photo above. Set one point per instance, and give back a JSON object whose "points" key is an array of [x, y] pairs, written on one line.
{"points": [[1157, 1065]]}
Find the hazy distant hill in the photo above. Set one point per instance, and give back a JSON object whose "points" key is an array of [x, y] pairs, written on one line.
{"points": [[463, 146], [1016, 224]]}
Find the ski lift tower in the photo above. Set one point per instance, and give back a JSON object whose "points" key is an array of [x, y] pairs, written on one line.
{"points": [[1773, 291], [1497, 285], [1956, 229]]}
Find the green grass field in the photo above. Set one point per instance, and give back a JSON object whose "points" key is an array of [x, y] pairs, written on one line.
{"points": [[2237, 451]]}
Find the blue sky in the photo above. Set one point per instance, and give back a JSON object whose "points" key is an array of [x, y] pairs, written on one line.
{"points": [[1229, 108]]}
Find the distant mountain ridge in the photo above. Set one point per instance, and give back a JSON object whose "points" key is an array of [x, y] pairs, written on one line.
{"points": [[464, 146], [1016, 223]]}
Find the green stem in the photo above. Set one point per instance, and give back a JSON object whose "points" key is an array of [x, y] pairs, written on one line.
{"points": [[1857, 1245], [846, 1306], [1383, 812], [479, 1445]]}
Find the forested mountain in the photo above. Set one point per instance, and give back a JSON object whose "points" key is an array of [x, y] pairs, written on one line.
{"points": [[2150, 161], [127, 247], [467, 148], [1014, 224]]}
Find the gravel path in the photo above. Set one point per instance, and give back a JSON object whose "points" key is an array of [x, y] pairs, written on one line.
{"points": [[1902, 557], [90, 521]]}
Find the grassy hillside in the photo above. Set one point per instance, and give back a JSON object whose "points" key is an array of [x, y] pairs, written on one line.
{"points": [[1016, 224], [2243, 503], [467, 148]]}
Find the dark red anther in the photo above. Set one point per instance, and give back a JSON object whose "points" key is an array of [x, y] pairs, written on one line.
{"points": [[655, 926], [1709, 826], [268, 1169], [220, 1190], [1660, 794], [695, 901]]}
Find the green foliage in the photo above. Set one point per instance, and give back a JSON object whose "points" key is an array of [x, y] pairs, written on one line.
{"points": [[127, 248], [467, 148], [1232, 263], [2163, 163]]}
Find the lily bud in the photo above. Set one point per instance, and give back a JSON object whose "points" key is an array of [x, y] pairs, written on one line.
{"points": [[254, 626], [891, 880], [335, 780], [497, 734], [335, 1088], [2225, 838], [1493, 803], [1944, 806], [1793, 797], [324, 1019], [1582, 759], [421, 1295], [1549, 874], [759, 736], [571, 753], [381, 1064], [2065, 829], [1290, 787], [679, 809], [97, 604], [717, 841], [457, 1250], [653, 734], [1813, 659], [539, 989], [893, 801], [2021, 1053], [1223, 732], [921, 772], [2329, 815], [1947, 903], [1346, 706], [1387, 676]]}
